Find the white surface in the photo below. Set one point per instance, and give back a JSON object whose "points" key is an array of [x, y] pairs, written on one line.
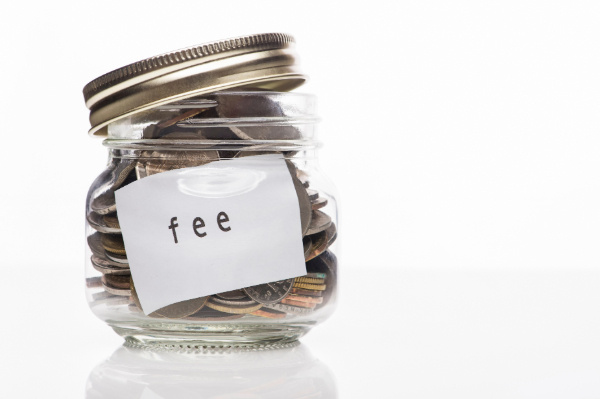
{"points": [[199, 266], [463, 138], [425, 334]]}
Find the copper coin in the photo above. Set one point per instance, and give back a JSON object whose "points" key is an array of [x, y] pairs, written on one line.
{"points": [[300, 291], [269, 313], [302, 298], [300, 304]]}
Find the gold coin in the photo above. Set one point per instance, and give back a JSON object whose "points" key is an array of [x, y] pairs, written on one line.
{"points": [[309, 299], [316, 287], [310, 280], [234, 309], [113, 243], [112, 221]]}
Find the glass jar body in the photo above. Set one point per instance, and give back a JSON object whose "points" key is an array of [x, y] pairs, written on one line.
{"points": [[273, 128]]}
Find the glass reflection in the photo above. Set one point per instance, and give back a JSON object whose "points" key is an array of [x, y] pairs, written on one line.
{"points": [[133, 373]]}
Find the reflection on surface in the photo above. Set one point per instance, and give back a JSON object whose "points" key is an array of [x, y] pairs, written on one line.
{"points": [[283, 373]]}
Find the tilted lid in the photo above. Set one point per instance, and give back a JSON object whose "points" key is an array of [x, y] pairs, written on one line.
{"points": [[258, 62]]}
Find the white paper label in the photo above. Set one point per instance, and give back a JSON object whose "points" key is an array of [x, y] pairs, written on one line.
{"points": [[222, 226]]}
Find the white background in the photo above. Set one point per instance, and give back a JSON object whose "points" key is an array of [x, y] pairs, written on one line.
{"points": [[462, 136]]}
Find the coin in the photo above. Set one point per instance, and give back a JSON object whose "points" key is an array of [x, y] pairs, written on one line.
{"points": [[300, 304], [234, 302], [232, 295], [95, 244], [318, 203], [116, 281], [117, 291], [96, 220], [269, 313], [325, 263], [182, 309], [300, 291], [162, 161], [321, 241], [105, 267], [252, 106], [232, 308], [304, 204], [307, 244], [116, 258], [93, 282], [113, 243], [302, 298], [315, 275], [121, 172], [104, 203], [271, 292], [303, 177], [289, 308], [309, 280], [315, 287], [319, 222], [112, 221], [313, 195]]}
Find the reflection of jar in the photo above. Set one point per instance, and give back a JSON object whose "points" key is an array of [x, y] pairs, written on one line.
{"points": [[212, 224], [284, 373]]}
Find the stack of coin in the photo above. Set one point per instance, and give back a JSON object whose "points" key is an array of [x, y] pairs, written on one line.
{"points": [[275, 300]]}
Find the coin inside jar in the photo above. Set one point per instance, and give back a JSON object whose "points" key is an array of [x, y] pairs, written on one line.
{"points": [[181, 309], [271, 292]]}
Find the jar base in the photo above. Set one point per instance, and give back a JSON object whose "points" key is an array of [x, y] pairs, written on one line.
{"points": [[265, 336]]}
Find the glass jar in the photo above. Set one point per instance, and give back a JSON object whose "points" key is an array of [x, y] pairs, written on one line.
{"points": [[204, 201]]}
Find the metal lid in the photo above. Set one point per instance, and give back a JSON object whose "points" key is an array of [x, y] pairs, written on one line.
{"points": [[263, 61]]}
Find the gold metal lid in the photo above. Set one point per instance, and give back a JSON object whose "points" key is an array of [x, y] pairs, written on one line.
{"points": [[260, 62]]}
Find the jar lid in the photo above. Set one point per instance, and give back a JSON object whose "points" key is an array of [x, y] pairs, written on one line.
{"points": [[256, 62]]}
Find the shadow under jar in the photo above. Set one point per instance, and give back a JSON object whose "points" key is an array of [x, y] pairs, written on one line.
{"points": [[208, 199]]}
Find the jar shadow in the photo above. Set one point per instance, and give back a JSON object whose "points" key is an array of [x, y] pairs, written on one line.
{"points": [[291, 372]]}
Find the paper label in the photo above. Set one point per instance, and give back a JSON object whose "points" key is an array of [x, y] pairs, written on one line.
{"points": [[222, 226]]}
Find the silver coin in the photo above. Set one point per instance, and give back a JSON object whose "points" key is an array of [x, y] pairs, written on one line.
{"points": [[96, 221], [162, 161], [319, 222], [235, 302], [181, 309], [251, 105], [104, 203], [117, 291], [270, 292], [93, 282], [122, 259], [106, 267], [289, 308], [232, 295]]}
